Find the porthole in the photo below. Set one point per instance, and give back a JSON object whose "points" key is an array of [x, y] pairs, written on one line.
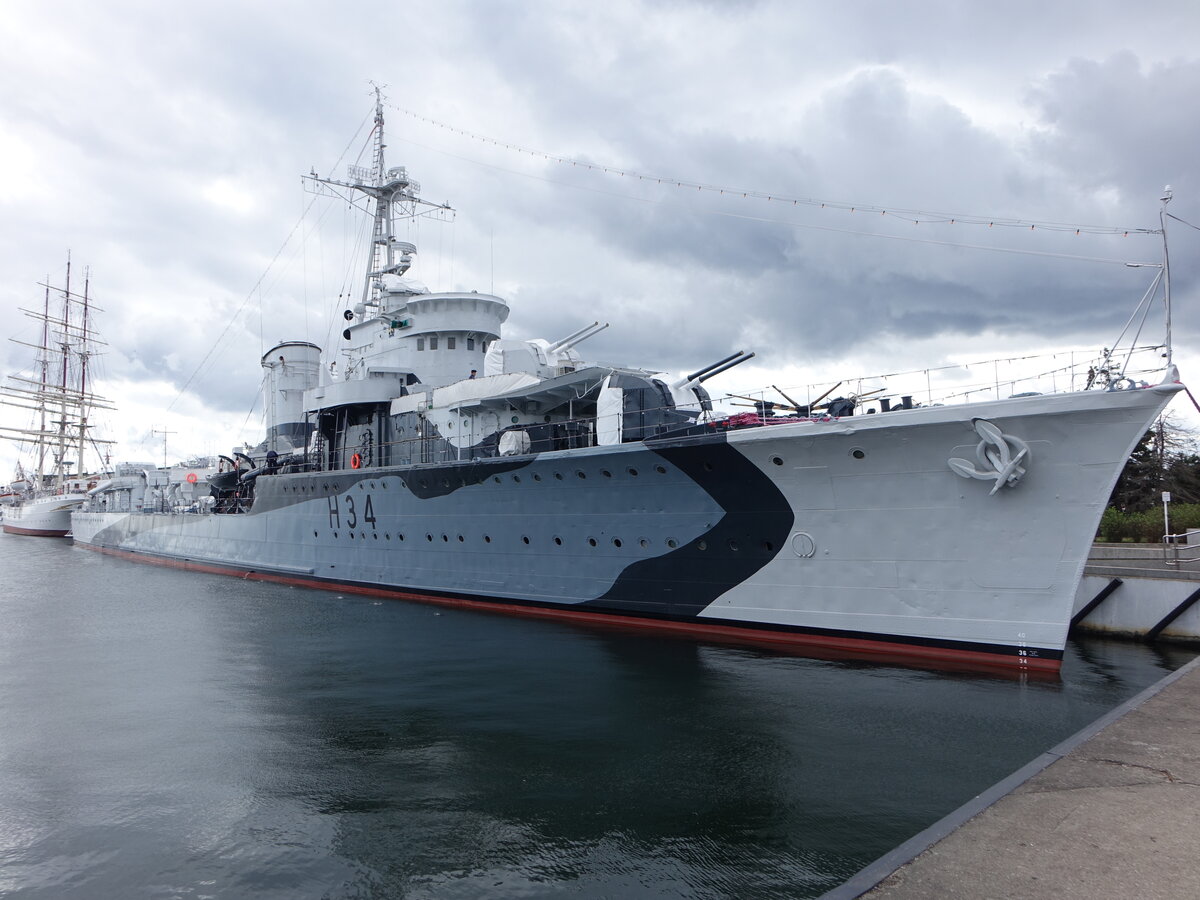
{"points": [[591, 542], [445, 482], [445, 539], [672, 543], [606, 473], [496, 479], [777, 460], [375, 534], [399, 537], [558, 476], [661, 470], [632, 471], [524, 539], [314, 534], [581, 473], [515, 420], [557, 541], [352, 535], [516, 479], [734, 546], [616, 542], [708, 467], [387, 535], [429, 537], [537, 477], [643, 543], [858, 453], [702, 545], [487, 538], [768, 546], [460, 538]]}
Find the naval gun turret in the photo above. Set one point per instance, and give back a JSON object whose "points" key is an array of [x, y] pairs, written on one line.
{"points": [[539, 357], [689, 389]]}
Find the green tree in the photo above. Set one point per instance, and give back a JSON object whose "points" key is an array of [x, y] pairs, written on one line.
{"points": [[1139, 486], [1165, 459]]}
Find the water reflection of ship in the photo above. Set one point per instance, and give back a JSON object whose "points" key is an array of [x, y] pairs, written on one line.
{"points": [[450, 753]]}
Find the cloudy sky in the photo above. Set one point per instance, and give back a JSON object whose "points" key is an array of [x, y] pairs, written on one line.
{"points": [[163, 144]]}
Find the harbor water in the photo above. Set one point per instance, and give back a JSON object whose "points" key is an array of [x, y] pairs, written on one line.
{"points": [[167, 734]]}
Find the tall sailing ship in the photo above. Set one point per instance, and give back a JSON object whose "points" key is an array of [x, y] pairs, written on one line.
{"points": [[430, 458], [59, 401]]}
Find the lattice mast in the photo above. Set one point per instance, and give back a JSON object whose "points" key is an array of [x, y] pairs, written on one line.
{"points": [[393, 196]]}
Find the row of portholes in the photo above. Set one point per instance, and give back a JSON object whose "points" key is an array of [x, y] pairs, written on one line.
{"points": [[644, 543], [581, 475], [302, 486], [856, 452]]}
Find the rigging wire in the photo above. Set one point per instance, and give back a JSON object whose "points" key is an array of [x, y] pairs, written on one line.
{"points": [[913, 216], [899, 237], [969, 389], [257, 284], [790, 224], [1184, 221]]}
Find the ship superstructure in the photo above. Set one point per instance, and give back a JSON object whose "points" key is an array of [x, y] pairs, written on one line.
{"points": [[430, 458]]}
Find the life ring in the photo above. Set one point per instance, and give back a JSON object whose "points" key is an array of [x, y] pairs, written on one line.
{"points": [[191, 477], [356, 461]]}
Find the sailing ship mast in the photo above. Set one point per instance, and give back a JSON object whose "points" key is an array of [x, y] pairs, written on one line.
{"points": [[60, 395]]}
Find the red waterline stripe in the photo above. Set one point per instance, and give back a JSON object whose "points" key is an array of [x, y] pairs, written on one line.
{"points": [[840, 647], [35, 532]]}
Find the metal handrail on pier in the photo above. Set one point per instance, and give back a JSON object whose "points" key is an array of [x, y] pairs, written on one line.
{"points": [[1175, 546]]}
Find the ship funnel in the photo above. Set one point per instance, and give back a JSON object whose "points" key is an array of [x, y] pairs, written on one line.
{"points": [[292, 368]]}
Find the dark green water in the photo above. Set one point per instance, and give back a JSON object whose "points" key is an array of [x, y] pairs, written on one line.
{"points": [[167, 734]]}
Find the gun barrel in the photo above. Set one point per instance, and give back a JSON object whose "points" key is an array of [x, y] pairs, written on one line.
{"points": [[581, 335], [711, 366], [737, 361]]}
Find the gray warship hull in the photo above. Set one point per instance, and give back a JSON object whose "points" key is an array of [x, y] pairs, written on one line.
{"points": [[860, 535]]}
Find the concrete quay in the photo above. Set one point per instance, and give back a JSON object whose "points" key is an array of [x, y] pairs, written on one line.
{"points": [[1112, 812], [1145, 560], [1132, 591]]}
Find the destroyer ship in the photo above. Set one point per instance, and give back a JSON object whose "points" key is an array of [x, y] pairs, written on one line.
{"points": [[428, 458]]}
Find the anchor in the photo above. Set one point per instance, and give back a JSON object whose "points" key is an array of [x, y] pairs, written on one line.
{"points": [[1000, 457]]}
